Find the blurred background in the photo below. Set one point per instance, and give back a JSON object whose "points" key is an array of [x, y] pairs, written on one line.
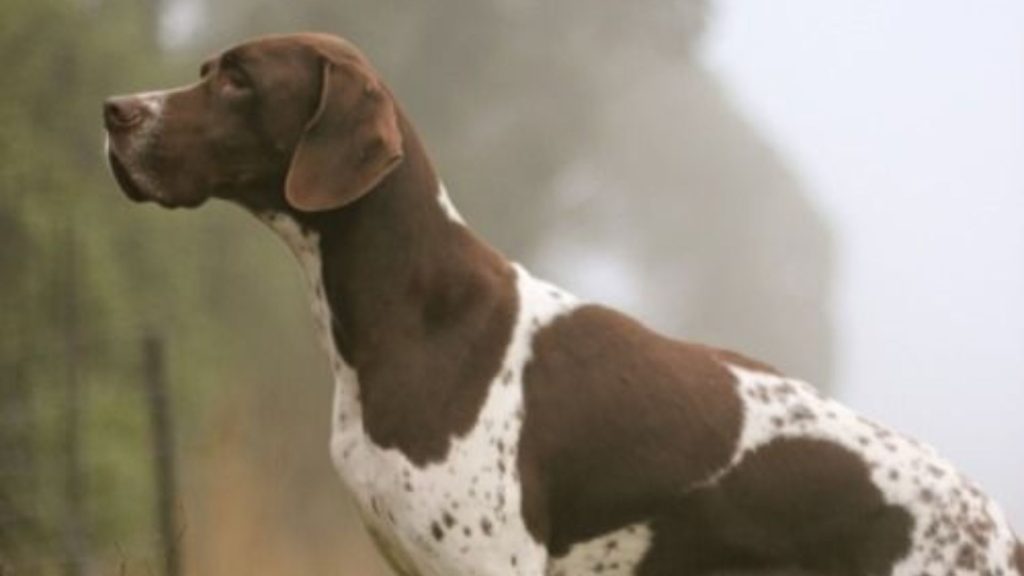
{"points": [[836, 188]]}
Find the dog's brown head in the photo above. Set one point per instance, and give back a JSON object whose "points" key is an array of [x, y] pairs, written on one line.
{"points": [[301, 120]]}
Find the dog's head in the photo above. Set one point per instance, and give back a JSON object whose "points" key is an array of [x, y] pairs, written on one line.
{"points": [[298, 119]]}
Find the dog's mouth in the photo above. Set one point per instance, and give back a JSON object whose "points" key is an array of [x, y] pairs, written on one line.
{"points": [[143, 191], [124, 179]]}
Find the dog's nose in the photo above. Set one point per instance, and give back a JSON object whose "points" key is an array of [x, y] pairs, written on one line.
{"points": [[122, 112]]}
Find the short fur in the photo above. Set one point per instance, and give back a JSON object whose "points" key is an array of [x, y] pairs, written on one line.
{"points": [[490, 423]]}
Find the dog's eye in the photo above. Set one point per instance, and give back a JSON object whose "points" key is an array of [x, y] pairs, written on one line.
{"points": [[235, 81]]}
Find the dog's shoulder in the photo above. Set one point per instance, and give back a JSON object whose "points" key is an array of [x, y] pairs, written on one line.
{"points": [[615, 413]]}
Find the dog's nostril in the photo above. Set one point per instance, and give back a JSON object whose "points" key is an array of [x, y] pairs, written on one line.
{"points": [[121, 112]]}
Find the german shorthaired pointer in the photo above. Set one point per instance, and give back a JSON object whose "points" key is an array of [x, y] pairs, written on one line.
{"points": [[490, 423]]}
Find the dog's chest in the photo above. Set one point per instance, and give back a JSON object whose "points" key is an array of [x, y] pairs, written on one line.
{"points": [[463, 513], [460, 515]]}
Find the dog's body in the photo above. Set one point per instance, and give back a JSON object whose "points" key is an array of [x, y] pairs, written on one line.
{"points": [[489, 423]]}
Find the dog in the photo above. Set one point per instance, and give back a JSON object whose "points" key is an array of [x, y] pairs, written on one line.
{"points": [[488, 422]]}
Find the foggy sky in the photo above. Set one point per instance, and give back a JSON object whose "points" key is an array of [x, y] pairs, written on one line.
{"points": [[905, 121]]}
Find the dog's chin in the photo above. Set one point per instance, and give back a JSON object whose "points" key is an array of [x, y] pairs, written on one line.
{"points": [[138, 193], [125, 180], [190, 202]]}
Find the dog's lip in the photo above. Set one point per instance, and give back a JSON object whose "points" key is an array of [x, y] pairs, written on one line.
{"points": [[137, 194], [124, 178]]}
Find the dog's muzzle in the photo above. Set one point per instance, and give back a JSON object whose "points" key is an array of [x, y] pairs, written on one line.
{"points": [[126, 119]]}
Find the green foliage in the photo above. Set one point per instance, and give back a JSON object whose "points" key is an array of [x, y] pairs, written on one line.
{"points": [[51, 183], [70, 241]]}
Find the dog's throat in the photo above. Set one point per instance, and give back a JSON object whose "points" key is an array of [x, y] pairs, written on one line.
{"points": [[305, 245]]}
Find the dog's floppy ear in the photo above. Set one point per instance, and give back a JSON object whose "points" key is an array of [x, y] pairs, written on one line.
{"points": [[349, 145]]}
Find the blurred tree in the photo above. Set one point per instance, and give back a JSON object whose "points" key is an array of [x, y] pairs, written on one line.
{"points": [[677, 209], [57, 61], [61, 58]]}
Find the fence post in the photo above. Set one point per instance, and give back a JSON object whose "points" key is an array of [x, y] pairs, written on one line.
{"points": [[74, 476], [160, 416]]}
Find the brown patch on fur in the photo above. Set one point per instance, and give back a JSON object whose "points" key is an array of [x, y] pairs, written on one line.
{"points": [[794, 505], [422, 309], [618, 422], [807, 502]]}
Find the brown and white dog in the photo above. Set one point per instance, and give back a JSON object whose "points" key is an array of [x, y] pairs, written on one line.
{"points": [[490, 423]]}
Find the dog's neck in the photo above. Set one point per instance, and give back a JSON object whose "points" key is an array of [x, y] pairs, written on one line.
{"points": [[400, 260], [419, 306]]}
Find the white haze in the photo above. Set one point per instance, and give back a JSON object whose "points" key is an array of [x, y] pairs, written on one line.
{"points": [[905, 122]]}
